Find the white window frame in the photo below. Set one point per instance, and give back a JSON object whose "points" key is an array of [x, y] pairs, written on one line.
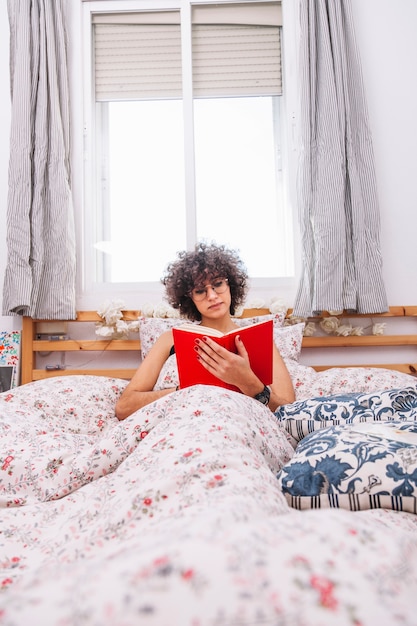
{"points": [[92, 294]]}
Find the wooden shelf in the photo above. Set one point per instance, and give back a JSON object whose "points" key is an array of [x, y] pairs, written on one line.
{"points": [[406, 368], [31, 345], [393, 311], [352, 341], [90, 345], [124, 373]]}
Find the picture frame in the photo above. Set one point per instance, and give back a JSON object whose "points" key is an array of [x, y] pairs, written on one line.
{"points": [[7, 377], [10, 342]]}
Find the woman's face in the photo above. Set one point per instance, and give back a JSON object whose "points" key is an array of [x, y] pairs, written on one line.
{"points": [[212, 297]]}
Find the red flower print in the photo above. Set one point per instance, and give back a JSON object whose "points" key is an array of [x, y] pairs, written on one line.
{"points": [[187, 574], [7, 462], [215, 481], [300, 559], [325, 588], [147, 501], [143, 434]]}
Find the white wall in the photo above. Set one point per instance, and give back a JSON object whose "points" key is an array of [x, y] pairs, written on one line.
{"points": [[388, 48]]}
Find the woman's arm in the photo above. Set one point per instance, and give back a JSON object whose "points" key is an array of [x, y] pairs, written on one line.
{"points": [[139, 392], [282, 388]]}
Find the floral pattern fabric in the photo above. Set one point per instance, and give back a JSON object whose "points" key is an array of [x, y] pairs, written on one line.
{"points": [[306, 416], [175, 516], [359, 466], [151, 328], [168, 376], [308, 383]]}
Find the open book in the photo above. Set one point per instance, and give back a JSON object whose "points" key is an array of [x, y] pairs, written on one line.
{"points": [[258, 341]]}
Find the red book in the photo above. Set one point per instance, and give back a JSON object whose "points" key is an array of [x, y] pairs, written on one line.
{"points": [[258, 341]]}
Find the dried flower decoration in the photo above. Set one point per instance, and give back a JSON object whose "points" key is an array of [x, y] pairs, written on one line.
{"points": [[239, 311], [162, 309], [343, 330], [256, 303], [147, 309], [309, 329], [329, 325], [378, 329], [277, 305], [113, 325], [293, 319]]}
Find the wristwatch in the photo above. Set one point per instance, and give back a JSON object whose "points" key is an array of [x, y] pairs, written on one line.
{"points": [[264, 395]]}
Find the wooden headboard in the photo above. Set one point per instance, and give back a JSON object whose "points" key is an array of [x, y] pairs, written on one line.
{"points": [[33, 344]]}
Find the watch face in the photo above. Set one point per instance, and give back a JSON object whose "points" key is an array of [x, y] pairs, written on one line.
{"points": [[264, 395]]}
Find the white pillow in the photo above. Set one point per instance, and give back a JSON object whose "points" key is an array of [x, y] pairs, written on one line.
{"points": [[151, 328], [278, 319], [168, 376], [341, 380], [288, 340]]}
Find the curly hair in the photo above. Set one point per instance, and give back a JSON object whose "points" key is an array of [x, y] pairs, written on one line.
{"points": [[193, 269]]}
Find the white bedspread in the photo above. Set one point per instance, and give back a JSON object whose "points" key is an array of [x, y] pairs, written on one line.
{"points": [[174, 517]]}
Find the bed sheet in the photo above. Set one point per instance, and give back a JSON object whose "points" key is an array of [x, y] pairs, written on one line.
{"points": [[175, 517]]}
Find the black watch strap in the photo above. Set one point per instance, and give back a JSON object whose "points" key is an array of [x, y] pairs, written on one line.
{"points": [[264, 395]]}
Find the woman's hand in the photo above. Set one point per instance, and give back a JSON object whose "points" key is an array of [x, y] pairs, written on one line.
{"points": [[235, 369], [229, 367]]}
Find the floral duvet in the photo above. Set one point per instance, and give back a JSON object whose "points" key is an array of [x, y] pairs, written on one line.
{"points": [[176, 517]]}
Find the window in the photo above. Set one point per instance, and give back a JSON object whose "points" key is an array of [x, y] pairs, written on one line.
{"points": [[186, 133]]}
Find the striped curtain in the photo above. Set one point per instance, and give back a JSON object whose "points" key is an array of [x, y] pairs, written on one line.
{"points": [[339, 212], [40, 273]]}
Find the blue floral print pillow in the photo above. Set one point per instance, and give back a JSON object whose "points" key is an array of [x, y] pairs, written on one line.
{"points": [[306, 416], [355, 467]]}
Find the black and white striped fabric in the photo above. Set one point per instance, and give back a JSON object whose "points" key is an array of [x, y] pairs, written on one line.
{"points": [[40, 273], [338, 205]]}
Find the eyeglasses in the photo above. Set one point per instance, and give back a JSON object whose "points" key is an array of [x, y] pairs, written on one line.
{"points": [[219, 285]]}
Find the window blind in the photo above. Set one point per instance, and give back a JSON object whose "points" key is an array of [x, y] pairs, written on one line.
{"points": [[236, 50]]}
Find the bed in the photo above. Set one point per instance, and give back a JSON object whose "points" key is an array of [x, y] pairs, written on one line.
{"points": [[204, 508]]}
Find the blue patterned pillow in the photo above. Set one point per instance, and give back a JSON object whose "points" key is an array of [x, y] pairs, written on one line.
{"points": [[306, 416], [356, 467]]}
